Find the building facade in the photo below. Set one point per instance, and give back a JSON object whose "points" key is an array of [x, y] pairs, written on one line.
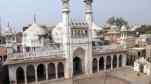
{"points": [[69, 53]]}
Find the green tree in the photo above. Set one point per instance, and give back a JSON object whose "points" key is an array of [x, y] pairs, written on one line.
{"points": [[119, 21]]}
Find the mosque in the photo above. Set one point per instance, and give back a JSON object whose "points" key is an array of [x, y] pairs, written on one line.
{"points": [[69, 49]]}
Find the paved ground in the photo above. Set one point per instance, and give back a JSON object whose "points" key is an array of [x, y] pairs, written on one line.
{"points": [[124, 75], [128, 74]]}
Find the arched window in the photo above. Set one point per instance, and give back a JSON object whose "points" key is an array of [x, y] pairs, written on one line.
{"points": [[60, 70], [41, 72], [30, 73], [51, 71], [20, 76]]}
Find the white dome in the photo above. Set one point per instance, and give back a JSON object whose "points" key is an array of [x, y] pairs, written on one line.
{"points": [[124, 28], [31, 36], [36, 29], [58, 32]]}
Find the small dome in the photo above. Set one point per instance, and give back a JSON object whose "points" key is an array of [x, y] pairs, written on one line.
{"points": [[36, 29], [58, 32], [124, 28]]}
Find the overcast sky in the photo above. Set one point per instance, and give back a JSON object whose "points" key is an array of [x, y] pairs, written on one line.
{"points": [[20, 12]]}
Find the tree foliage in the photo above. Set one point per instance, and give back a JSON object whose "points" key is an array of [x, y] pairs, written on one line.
{"points": [[119, 21]]}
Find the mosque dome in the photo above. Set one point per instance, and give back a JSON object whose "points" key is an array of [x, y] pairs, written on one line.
{"points": [[35, 29], [32, 37], [124, 28], [58, 32]]}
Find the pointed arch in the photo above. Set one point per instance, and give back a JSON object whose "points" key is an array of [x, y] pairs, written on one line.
{"points": [[94, 65], [60, 70], [41, 72], [51, 71], [101, 63], [108, 62], [114, 61], [120, 61], [20, 77], [30, 73]]}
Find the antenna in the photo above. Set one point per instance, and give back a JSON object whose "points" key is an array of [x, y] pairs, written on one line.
{"points": [[35, 20]]}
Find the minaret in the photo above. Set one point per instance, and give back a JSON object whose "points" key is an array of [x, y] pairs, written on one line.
{"points": [[88, 11], [66, 38], [89, 20]]}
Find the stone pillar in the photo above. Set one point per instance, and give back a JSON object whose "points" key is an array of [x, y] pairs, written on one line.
{"points": [[46, 69], [104, 63], [25, 74], [111, 62], [12, 75], [56, 68], [36, 77], [124, 60], [117, 61], [98, 67]]}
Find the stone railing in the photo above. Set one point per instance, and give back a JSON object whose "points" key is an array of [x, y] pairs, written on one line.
{"points": [[79, 40], [51, 53], [107, 49]]}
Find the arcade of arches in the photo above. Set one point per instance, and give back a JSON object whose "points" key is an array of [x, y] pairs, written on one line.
{"points": [[35, 73], [107, 63], [49, 71]]}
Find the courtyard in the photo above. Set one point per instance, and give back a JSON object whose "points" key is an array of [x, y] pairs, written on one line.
{"points": [[123, 75]]}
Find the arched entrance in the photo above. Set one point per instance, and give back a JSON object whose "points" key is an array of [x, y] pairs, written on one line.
{"points": [[95, 62], [120, 60], [77, 66], [60, 70], [108, 62], [51, 71], [30, 73], [114, 61], [20, 76], [78, 61], [101, 63], [41, 72]]}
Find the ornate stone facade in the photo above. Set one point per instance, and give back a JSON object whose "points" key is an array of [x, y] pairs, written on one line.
{"points": [[70, 52]]}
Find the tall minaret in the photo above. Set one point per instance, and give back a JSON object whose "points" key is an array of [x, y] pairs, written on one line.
{"points": [[88, 11], [89, 20], [66, 38]]}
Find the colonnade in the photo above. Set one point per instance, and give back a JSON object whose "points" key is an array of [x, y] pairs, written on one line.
{"points": [[109, 62], [34, 73]]}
